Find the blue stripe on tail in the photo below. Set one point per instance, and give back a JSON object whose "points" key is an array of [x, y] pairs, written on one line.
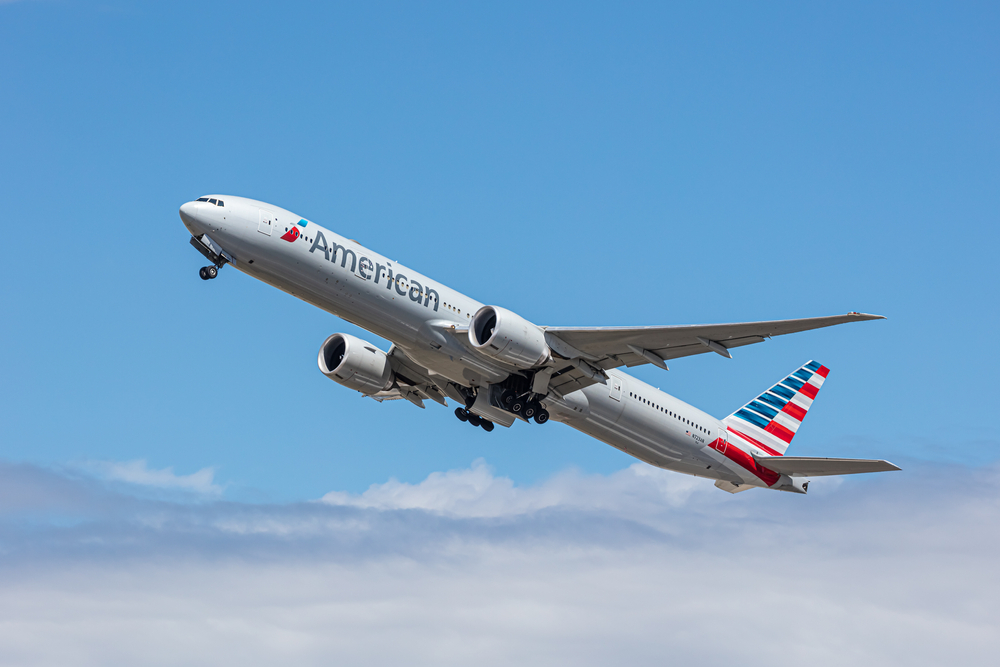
{"points": [[753, 418], [783, 391], [768, 397]]}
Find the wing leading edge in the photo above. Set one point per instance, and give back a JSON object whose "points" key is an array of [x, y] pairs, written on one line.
{"points": [[611, 347]]}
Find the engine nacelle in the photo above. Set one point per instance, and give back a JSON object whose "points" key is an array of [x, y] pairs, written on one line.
{"points": [[499, 333], [355, 364]]}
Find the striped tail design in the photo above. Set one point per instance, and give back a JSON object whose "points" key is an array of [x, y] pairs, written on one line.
{"points": [[771, 420]]}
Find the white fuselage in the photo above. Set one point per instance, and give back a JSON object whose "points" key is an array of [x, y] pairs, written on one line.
{"points": [[409, 309]]}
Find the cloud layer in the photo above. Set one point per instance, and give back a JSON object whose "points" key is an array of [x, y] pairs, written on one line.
{"points": [[465, 567], [139, 473], [476, 492]]}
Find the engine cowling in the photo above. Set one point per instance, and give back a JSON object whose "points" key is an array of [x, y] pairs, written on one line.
{"points": [[503, 335], [356, 364]]}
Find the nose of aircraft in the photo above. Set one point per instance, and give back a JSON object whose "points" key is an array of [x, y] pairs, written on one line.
{"points": [[188, 216], [187, 211]]}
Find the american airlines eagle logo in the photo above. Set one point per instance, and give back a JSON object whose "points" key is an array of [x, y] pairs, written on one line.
{"points": [[293, 234]]}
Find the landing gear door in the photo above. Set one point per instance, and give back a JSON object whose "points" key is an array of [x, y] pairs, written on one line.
{"points": [[266, 222], [616, 388]]}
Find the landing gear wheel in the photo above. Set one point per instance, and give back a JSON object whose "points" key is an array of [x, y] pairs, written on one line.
{"points": [[462, 414], [211, 271], [487, 426], [530, 410], [541, 416], [508, 397], [516, 405], [475, 420], [203, 272]]}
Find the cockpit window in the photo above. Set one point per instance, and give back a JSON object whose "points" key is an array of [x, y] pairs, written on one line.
{"points": [[213, 201], [221, 203], [202, 199]]}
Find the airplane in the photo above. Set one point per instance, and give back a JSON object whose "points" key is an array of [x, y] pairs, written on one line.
{"points": [[501, 369]]}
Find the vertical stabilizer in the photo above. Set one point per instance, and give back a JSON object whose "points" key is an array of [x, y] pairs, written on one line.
{"points": [[771, 420]]}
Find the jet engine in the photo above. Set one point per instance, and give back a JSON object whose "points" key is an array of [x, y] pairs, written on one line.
{"points": [[355, 364], [508, 337]]}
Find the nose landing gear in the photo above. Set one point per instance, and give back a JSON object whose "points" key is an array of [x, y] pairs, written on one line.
{"points": [[213, 253]]}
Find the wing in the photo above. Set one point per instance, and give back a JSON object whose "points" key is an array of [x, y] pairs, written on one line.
{"points": [[610, 347], [413, 382], [807, 466]]}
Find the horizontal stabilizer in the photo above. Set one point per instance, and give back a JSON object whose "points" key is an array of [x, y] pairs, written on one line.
{"points": [[807, 466]]}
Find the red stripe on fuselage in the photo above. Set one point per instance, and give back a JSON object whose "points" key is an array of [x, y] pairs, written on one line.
{"points": [[752, 441], [809, 390], [796, 411], [744, 460]]}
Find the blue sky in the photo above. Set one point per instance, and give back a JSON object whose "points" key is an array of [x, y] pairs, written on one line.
{"points": [[579, 163]]}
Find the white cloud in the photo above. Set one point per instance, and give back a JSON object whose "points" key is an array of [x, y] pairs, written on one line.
{"points": [[139, 473], [476, 492], [638, 567]]}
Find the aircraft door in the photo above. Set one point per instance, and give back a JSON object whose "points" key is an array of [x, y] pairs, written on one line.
{"points": [[722, 441], [266, 222], [616, 388]]}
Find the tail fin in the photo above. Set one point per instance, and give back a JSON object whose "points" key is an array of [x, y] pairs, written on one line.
{"points": [[771, 420]]}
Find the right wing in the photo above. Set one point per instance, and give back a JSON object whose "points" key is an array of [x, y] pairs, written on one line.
{"points": [[609, 347]]}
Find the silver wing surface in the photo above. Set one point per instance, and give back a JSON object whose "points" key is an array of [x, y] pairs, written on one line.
{"points": [[611, 347]]}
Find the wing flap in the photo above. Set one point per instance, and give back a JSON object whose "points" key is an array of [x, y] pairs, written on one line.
{"points": [[808, 466]]}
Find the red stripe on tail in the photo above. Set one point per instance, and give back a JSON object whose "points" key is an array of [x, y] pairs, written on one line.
{"points": [[809, 390], [796, 411], [779, 431], [753, 441]]}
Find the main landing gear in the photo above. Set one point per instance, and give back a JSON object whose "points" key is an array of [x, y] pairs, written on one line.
{"points": [[466, 416], [527, 409], [208, 272]]}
